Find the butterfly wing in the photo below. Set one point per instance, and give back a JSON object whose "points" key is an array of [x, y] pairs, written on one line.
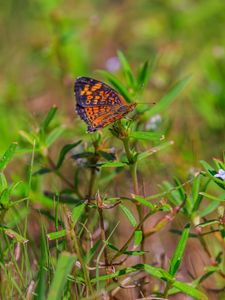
{"points": [[91, 92], [98, 104]]}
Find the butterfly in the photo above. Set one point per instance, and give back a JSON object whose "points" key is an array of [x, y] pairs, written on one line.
{"points": [[98, 104]]}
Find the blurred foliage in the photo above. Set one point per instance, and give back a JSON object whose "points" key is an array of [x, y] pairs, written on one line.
{"points": [[57, 178]]}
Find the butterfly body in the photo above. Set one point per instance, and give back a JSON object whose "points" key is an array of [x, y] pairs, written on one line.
{"points": [[98, 104]]}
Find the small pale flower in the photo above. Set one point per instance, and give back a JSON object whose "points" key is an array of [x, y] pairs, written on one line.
{"points": [[81, 162], [112, 64], [153, 123], [220, 174]]}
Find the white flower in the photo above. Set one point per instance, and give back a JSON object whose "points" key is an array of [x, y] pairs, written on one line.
{"points": [[153, 122], [112, 64], [220, 174]]}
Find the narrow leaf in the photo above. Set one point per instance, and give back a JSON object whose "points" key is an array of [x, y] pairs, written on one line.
{"points": [[7, 156], [189, 290], [129, 215], [169, 97], [63, 269], [45, 123], [15, 236], [144, 135], [154, 150], [126, 69], [137, 237], [209, 208], [220, 198], [54, 135], [176, 260], [77, 212], [113, 164], [144, 202], [56, 235], [64, 151]]}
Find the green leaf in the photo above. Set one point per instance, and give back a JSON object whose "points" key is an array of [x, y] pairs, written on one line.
{"points": [[7, 156], [45, 123], [77, 212], [189, 290], [107, 155], [126, 69], [117, 85], [41, 287], [209, 208], [3, 182], [176, 260], [64, 151], [154, 150], [56, 235], [169, 97], [134, 253], [144, 202], [142, 76], [197, 197], [92, 252], [137, 237], [14, 235], [220, 198], [129, 215], [155, 272], [145, 135], [28, 137], [54, 135], [63, 269], [112, 164], [145, 71], [208, 223]]}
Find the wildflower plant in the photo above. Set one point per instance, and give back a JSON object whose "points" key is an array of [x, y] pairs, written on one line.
{"points": [[77, 212]]}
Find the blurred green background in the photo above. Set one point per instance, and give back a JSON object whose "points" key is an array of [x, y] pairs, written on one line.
{"points": [[46, 44]]}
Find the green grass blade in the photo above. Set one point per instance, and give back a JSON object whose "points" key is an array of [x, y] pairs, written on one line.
{"points": [[177, 257], [169, 97], [63, 269], [7, 156]]}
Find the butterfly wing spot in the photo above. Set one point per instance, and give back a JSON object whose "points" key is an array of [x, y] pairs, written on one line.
{"points": [[96, 86]]}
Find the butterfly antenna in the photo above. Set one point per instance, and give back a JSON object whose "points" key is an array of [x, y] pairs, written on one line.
{"points": [[146, 103]]}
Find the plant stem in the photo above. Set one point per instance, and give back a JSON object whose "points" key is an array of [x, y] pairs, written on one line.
{"points": [[60, 175], [73, 238], [91, 183], [168, 285], [132, 164]]}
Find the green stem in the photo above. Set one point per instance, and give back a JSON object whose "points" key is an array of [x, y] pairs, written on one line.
{"points": [[168, 285], [74, 239], [132, 164]]}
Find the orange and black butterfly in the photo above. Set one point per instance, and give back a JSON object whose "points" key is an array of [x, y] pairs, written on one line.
{"points": [[98, 104]]}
